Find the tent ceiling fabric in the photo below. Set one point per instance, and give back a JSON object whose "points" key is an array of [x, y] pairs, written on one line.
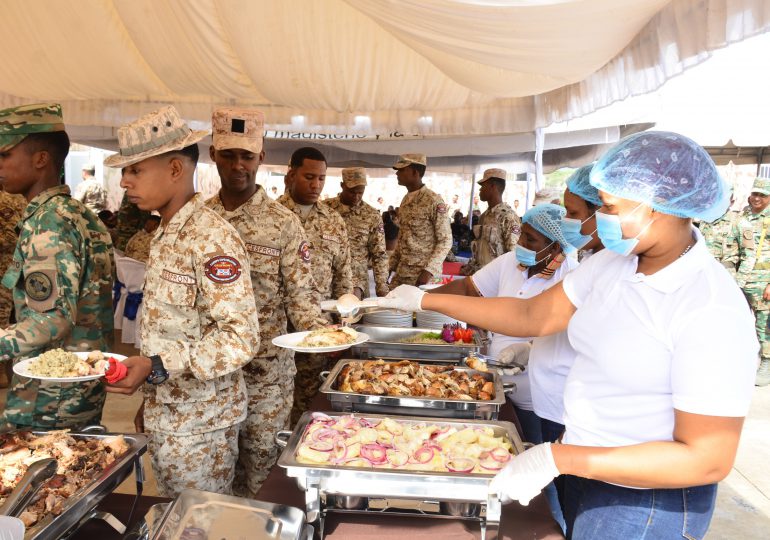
{"points": [[433, 67]]}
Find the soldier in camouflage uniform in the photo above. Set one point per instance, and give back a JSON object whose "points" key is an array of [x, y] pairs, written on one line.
{"points": [[753, 273], [723, 239], [282, 277], [329, 249], [60, 276], [425, 234], [138, 247], [200, 322], [130, 220], [366, 233], [498, 229], [90, 191]]}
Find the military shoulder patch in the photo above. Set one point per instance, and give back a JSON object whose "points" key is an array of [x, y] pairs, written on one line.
{"points": [[441, 208], [222, 269], [38, 286], [381, 227], [304, 251]]}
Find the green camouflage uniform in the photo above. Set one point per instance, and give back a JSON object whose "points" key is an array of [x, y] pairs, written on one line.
{"points": [[723, 239], [130, 221], [497, 233], [367, 245], [753, 272], [62, 289], [11, 209], [91, 192]]}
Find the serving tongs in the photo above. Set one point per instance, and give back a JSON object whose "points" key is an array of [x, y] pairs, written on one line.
{"points": [[21, 496], [494, 363]]}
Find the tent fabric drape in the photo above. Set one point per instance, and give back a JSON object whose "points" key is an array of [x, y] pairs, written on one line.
{"points": [[431, 67]]}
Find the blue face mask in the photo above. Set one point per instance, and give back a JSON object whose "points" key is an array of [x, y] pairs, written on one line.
{"points": [[527, 257], [611, 233], [571, 229]]}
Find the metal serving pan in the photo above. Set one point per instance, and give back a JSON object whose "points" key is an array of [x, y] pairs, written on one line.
{"points": [[83, 501], [384, 342], [417, 406], [195, 511]]}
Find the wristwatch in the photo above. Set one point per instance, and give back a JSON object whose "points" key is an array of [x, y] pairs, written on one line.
{"points": [[158, 374]]}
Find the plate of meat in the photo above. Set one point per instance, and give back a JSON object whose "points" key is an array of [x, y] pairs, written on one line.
{"points": [[58, 365]]}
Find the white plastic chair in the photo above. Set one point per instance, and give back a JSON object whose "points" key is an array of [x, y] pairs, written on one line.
{"points": [[131, 275]]}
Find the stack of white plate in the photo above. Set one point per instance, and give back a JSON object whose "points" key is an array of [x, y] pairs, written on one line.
{"points": [[432, 319], [389, 317]]}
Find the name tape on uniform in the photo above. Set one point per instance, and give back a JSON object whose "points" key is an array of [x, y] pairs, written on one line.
{"points": [[173, 277], [263, 250]]}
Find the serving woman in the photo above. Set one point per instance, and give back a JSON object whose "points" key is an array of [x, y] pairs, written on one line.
{"points": [[650, 402], [582, 201]]}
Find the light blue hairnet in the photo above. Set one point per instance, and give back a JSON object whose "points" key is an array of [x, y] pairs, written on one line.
{"points": [[546, 219], [579, 185], [666, 171]]}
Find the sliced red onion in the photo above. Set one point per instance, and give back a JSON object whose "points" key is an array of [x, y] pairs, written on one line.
{"points": [[340, 451], [491, 465], [321, 417], [322, 446], [500, 454], [374, 453], [461, 465], [424, 454]]}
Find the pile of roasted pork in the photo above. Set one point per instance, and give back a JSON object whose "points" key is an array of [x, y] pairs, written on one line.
{"points": [[405, 378], [80, 462]]}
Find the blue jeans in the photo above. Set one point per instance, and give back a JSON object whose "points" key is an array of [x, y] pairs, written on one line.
{"points": [[551, 431], [530, 425], [596, 509]]}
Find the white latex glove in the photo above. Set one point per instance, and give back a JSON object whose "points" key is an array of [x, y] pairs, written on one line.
{"points": [[515, 353], [403, 298], [525, 476]]}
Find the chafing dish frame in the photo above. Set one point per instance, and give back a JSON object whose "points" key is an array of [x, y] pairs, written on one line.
{"points": [[80, 507], [384, 343], [414, 405], [318, 481]]}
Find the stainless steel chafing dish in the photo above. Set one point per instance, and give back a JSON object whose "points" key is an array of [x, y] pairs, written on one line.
{"points": [[337, 488], [81, 506], [408, 405], [385, 342]]}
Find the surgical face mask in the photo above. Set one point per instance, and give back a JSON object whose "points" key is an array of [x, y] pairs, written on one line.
{"points": [[527, 257], [571, 229], [611, 233]]}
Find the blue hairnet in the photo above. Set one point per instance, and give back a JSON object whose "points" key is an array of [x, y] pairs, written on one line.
{"points": [[666, 171], [579, 185], [546, 219]]}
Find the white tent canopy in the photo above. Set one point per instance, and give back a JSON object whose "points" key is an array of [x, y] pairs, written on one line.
{"points": [[429, 67]]}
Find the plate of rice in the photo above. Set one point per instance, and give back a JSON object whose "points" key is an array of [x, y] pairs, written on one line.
{"points": [[329, 339], [58, 365]]}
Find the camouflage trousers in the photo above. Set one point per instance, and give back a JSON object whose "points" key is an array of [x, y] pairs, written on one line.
{"points": [[270, 385], [401, 278], [307, 382], [761, 310], [6, 306], [204, 461]]}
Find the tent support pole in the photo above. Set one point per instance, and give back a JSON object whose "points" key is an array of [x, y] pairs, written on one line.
{"points": [[470, 202]]}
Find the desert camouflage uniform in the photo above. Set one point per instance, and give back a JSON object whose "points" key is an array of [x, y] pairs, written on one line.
{"points": [[139, 246], [723, 239], [366, 234], [328, 238], [282, 277], [130, 221], [91, 193], [201, 319], [424, 239], [11, 209], [753, 271], [62, 289], [497, 233]]}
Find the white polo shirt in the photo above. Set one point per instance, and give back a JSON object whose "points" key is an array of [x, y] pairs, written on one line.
{"points": [[682, 338], [503, 278]]}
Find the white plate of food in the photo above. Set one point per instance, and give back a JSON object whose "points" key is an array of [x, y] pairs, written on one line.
{"points": [[58, 365], [329, 339]]}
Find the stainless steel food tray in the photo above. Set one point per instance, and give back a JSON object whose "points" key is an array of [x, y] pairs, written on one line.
{"points": [[76, 507], [384, 342], [267, 520], [416, 406], [323, 483]]}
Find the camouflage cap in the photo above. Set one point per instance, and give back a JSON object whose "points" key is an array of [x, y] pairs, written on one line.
{"points": [[238, 128], [151, 135], [761, 185], [493, 173], [18, 122], [405, 160], [354, 176]]}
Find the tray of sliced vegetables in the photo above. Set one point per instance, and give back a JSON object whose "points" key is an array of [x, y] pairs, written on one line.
{"points": [[412, 457]]}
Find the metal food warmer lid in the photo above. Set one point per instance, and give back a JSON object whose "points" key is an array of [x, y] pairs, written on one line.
{"points": [[386, 342], [200, 515], [414, 405]]}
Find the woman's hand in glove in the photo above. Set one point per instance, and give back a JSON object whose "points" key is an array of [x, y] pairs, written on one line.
{"points": [[515, 355], [525, 476], [403, 298]]}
